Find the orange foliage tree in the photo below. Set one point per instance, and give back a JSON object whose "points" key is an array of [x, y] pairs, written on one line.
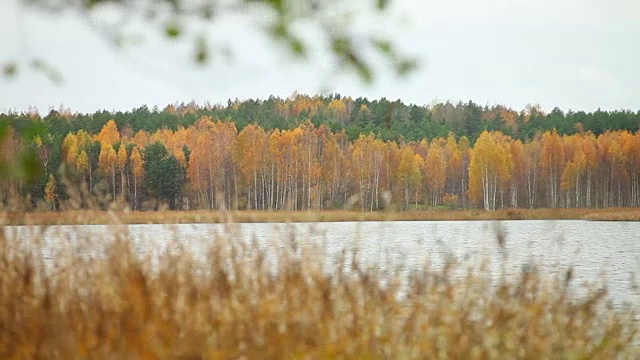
{"points": [[490, 166]]}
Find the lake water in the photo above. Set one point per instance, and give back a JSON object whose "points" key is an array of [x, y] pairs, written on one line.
{"points": [[599, 252]]}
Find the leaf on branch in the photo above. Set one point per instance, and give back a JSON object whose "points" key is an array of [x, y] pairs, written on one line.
{"points": [[10, 69], [279, 30], [297, 47], [384, 46], [172, 30], [382, 4], [201, 51], [362, 68], [207, 12], [49, 71], [340, 45], [402, 66], [175, 4], [277, 5], [343, 47], [89, 4], [406, 66]]}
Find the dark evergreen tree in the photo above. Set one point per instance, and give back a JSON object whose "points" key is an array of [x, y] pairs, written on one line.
{"points": [[164, 175]]}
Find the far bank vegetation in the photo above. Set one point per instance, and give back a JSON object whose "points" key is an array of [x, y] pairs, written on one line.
{"points": [[323, 153]]}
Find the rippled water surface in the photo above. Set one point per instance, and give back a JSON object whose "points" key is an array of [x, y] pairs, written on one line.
{"points": [[599, 252]]}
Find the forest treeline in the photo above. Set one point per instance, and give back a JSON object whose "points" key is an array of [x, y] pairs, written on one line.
{"points": [[325, 152]]}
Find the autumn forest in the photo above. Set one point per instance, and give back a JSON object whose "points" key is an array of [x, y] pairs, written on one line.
{"points": [[323, 152]]}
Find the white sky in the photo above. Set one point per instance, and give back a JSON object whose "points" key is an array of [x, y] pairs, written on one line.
{"points": [[575, 54]]}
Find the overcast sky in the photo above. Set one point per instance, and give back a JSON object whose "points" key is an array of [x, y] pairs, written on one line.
{"points": [[575, 54]]}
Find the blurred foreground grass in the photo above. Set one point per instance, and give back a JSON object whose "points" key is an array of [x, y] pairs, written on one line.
{"points": [[236, 301]]}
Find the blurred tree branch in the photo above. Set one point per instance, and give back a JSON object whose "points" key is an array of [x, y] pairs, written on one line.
{"points": [[333, 18]]}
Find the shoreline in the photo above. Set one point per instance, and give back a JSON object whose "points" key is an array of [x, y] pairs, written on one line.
{"points": [[95, 217]]}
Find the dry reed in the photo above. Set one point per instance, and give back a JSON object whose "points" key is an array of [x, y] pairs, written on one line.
{"points": [[242, 302], [252, 216]]}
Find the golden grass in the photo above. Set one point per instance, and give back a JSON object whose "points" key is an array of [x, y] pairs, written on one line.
{"points": [[615, 215], [182, 217], [241, 303]]}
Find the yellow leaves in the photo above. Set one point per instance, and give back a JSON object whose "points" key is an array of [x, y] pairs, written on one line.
{"points": [[107, 158], [70, 148], [338, 108], [249, 150], [121, 159], [74, 151], [83, 139], [367, 153], [283, 149], [212, 145], [452, 148], [316, 170], [580, 160], [509, 116], [568, 177], [632, 149], [51, 191], [552, 156], [109, 133], [307, 150], [491, 165], [409, 169], [165, 136], [370, 156], [82, 163], [435, 167], [590, 152], [37, 141], [516, 149], [142, 139], [305, 103], [308, 162], [137, 163], [463, 145]]}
